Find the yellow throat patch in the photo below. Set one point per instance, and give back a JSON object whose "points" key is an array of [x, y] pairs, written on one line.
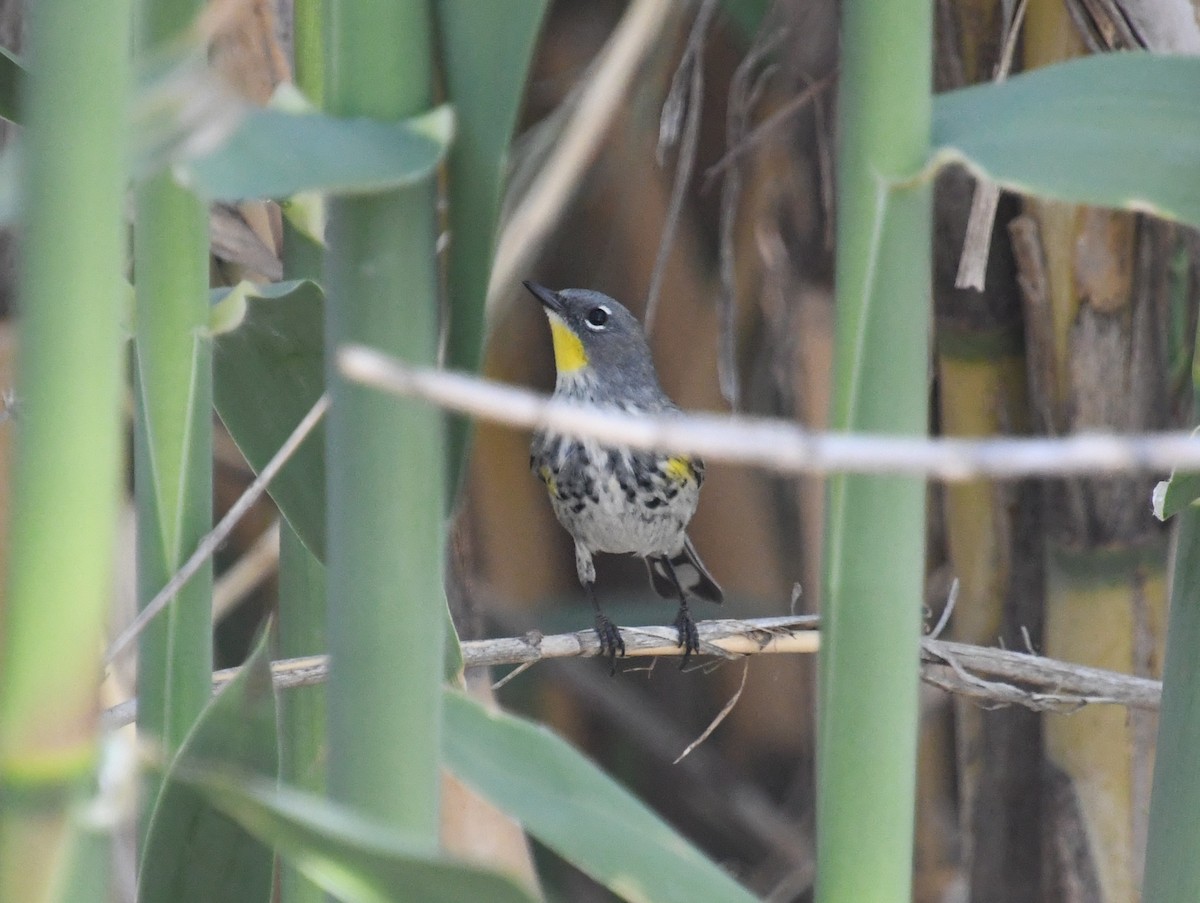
{"points": [[569, 355]]}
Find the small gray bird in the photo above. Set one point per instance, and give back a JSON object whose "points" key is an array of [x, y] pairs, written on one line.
{"points": [[613, 499]]}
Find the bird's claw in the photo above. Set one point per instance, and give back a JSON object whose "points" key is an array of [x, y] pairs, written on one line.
{"points": [[611, 643], [689, 637]]}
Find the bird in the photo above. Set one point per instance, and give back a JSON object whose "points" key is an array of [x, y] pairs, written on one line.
{"points": [[610, 498]]}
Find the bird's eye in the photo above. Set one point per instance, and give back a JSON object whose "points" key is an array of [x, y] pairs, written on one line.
{"points": [[597, 317]]}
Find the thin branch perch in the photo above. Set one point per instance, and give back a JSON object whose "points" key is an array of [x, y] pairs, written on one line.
{"points": [[1017, 678]]}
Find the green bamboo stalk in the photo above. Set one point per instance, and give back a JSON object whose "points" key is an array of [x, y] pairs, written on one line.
{"points": [[87, 868], [302, 710], [1172, 867], [66, 481], [173, 433], [1172, 870], [875, 561], [308, 55], [301, 253], [302, 601], [385, 459]]}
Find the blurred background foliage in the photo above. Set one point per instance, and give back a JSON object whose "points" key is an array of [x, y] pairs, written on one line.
{"points": [[1085, 321]]}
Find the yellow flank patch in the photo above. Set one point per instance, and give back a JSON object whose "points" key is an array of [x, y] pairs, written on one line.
{"points": [[569, 355], [679, 469], [548, 479]]}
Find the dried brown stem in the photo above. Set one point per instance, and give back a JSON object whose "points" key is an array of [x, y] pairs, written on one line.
{"points": [[1017, 678], [689, 75]]}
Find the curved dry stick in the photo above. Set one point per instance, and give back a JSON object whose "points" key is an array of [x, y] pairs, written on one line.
{"points": [[776, 444]]}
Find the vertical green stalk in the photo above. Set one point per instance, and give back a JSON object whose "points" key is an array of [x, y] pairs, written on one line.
{"points": [[302, 710], [301, 252], [875, 561], [385, 458], [1172, 871], [302, 602], [173, 434], [308, 56], [66, 479], [1172, 868], [486, 90]]}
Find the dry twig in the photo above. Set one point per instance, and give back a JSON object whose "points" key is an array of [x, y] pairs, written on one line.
{"points": [[1017, 678], [720, 716], [744, 90], [212, 541], [689, 77], [764, 129], [781, 445], [249, 572], [972, 265], [539, 211]]}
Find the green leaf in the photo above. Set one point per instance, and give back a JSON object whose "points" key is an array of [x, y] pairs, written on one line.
{"points": [[193, 852], [305, 212], [275, 154], [1114, 129], [1175, 494], [229, 306], [576, 810], [355, 858], [486, 90], [1172, 868], [303, 713], [11, 76], [267, 374]]}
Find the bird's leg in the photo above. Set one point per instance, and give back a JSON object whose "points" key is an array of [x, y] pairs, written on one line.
{"points": [[689, 637], [611, 643]]}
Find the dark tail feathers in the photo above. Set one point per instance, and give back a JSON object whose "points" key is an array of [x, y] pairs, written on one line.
{"points": [[694, 578]]}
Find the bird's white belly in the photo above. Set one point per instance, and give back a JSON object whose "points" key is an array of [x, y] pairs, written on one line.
{"points": [[615, 523]]}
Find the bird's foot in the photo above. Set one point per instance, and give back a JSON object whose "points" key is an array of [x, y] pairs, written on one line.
{"points": [[689, 637], [611, 643]]}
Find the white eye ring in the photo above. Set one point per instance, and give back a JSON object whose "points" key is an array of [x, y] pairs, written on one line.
{"points": [[603, 324]]}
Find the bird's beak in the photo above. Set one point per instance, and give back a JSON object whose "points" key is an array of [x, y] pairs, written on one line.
{"points": [[549, 298]]}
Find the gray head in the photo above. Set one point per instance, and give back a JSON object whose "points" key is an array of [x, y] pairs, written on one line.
{"points": [[598, 339]]}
